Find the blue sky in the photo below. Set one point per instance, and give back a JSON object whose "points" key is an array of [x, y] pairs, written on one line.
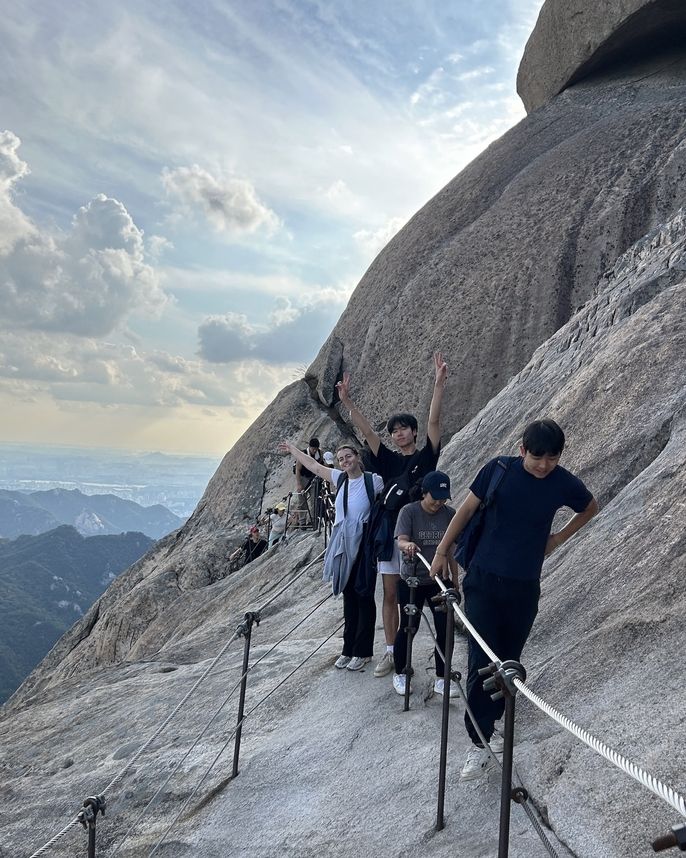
{"points": [[190, 192]]}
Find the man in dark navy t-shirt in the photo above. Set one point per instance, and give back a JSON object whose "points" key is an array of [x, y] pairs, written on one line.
{"points": [[502, 584]]}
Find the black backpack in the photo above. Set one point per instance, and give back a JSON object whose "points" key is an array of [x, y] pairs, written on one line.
{"points": [[403, 488], [468, 540], [368, 484]]}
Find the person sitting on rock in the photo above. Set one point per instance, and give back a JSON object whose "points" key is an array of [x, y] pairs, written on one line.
{"points": [[502, 585], [354, 497], [251, 549], [420, 527], [400, 470]]}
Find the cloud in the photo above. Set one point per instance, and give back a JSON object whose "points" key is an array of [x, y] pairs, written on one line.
{"points": [[291, 334], [14, 225], [229, 204], [84, 281], [372, 241]]}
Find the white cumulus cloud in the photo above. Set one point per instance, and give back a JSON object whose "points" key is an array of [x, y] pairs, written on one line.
{"points": [[372, 241], [228, 203], [83, 281], [13, 223]]}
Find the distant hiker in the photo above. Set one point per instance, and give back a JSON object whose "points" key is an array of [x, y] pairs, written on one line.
{"points": [[304, 476], [251, 549], [401, 471], [420, 527], [502, 584], [277, 523], [355, 494], [304, 505]]}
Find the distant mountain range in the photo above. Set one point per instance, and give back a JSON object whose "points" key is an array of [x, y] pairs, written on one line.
{"points": [[46, 583], [32, 513]]}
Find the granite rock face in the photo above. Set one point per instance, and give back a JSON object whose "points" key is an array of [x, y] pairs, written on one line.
{"points": [[489, 268], [330, 764], [575, 38], [552, 273]]}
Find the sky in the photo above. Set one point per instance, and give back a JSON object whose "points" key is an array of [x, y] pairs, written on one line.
{"points": [[189, 193]]}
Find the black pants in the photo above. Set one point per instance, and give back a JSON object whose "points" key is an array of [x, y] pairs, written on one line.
{"points": [[359, 613], [503, 611], [423, 593]]}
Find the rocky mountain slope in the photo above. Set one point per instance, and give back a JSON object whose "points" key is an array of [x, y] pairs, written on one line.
{"points": [[46, 583], [552, 271]]}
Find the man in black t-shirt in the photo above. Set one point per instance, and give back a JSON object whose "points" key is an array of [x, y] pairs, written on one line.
{"points": [[399, 469], [502, 584]]}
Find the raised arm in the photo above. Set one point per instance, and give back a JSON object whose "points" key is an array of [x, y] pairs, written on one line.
{"points": [[457, 524], [433, 429], [360, 422], [311, 464], [576, 522]]}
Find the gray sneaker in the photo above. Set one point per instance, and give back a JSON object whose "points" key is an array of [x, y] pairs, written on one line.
{"points": [[342, 661], [385, 666], [357, 663]]}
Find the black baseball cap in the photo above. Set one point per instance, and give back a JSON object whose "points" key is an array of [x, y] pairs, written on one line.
{"points": [[438, 484]]}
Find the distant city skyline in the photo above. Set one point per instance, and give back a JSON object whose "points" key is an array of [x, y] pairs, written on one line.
{"points": [[189, 194]]}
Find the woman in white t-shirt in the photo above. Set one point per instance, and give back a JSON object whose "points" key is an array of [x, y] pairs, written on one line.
{"points": [[354, 496]]}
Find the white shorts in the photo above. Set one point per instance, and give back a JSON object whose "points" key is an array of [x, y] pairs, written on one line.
{"points": [[392, 566]]}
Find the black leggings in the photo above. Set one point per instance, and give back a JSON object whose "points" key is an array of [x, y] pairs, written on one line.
{"points": [[359, 613]]}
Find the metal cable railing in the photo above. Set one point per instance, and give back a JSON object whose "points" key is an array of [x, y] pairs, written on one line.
{"points": [[84, 815], [650, 782], [233, 733]]}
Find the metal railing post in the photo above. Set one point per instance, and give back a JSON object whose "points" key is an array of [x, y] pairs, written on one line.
{"points": [[245, 629], [450, 597], [502, 685], [88, 817], [410, 611]]}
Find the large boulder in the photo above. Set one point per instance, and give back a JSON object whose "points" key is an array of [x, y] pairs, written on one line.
{"points": [[575, 38]]}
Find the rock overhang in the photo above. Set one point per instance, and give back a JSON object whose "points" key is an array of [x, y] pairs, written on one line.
{"points": [[573, 39]]}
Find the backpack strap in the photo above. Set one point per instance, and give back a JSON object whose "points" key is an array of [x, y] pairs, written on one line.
{"points": [[496, 478], [368, 484]]}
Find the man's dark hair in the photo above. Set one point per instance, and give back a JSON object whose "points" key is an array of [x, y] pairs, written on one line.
{"points": [[402, 420], [314, 443], [543, 438]]}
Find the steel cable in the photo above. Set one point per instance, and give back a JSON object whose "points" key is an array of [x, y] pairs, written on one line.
{"points": [[212, 719], [650, 782], [75, 820], [526, 804], [233, 733]]}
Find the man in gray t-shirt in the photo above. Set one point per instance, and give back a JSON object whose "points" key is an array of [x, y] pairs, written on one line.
{"points": [[420, 528]]}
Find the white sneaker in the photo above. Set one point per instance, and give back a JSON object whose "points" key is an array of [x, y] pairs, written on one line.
{"points": [[477, 763], [399, 683], [385, 666], [439, 688], [497, 744], [357, 663], [342, 661]]}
